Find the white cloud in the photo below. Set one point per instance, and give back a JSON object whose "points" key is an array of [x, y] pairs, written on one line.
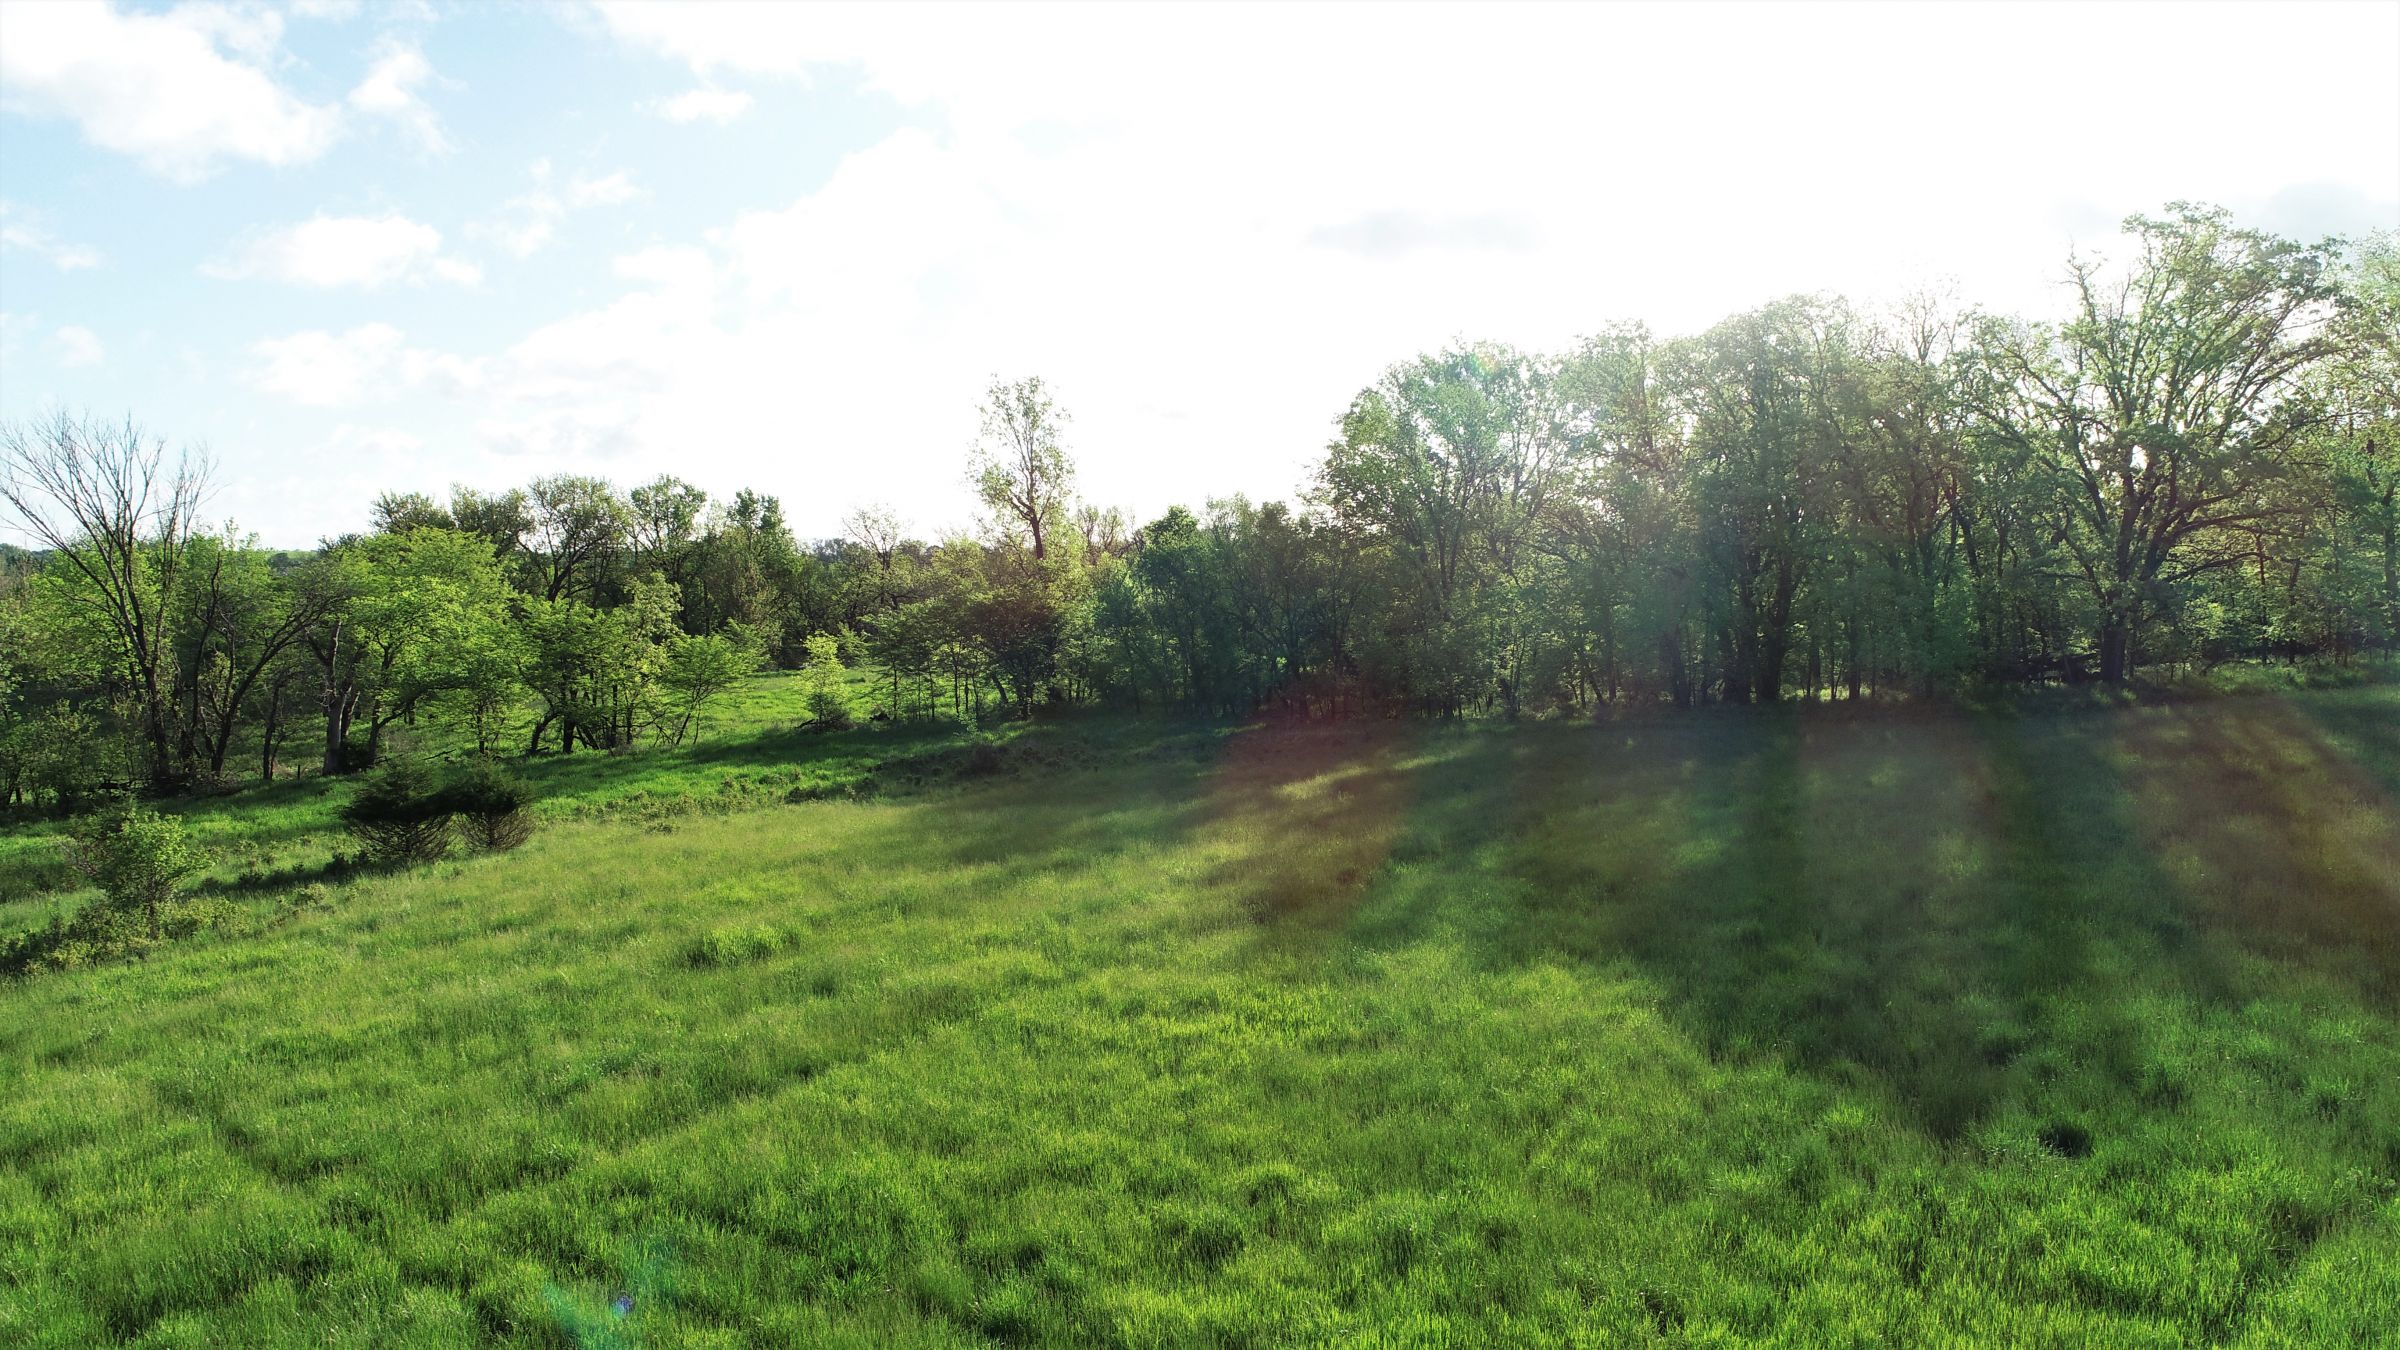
{"points": [[527, 223], [387, 12], [322, 369], [20, 230], [1142, 202], [704, 104], [363, 251], [390, 92], [614, 190], [1208, 233], [77, 345], [182, 91], [374, 442], [1389, 234]]}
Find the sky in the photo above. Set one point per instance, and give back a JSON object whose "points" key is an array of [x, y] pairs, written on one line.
{"points": [[350, 247]]}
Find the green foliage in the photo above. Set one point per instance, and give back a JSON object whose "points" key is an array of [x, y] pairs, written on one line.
{"points": [[1021, 469], [58, 757], [697, 668], [400, 814], [828, 700], [102, 934], [494, 807], [139, 859]]}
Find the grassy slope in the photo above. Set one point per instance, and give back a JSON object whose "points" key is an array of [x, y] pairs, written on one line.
{"points": [[748, 748], [1740, 1027]]}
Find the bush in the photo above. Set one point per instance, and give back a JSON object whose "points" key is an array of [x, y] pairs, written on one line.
{"points": [[315, 897], [101, 933], [139, 859], [493, 805], [400, 815], [827, 701]]}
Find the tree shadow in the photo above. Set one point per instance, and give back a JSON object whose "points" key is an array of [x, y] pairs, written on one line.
{"points": [[1942, 904], [2363, 724], [2274, 834], [1310, 812]]}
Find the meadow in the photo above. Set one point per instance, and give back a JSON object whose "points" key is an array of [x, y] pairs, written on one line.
{"points": [[2059, 1024]]}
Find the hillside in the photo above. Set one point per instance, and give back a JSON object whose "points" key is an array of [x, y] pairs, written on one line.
{"points": [[2066, 1027]]}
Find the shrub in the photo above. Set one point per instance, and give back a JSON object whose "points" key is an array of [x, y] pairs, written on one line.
{"points": [[400, 815], [493, 806], [821, 684], [139, 859], [94, 933], [100, 933], [313, 897]]}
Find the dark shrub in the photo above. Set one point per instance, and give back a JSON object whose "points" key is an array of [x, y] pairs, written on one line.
{"points": [[399, 815], [494, 806]]}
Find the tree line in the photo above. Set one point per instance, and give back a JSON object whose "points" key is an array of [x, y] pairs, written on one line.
{"points": [[2196, 464]]}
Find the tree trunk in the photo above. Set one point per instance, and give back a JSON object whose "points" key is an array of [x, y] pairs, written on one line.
{"points": [[2113, 643], [2391, 568]]}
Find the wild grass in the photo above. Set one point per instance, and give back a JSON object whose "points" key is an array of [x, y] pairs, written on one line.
{"points": [[753, 746], [2067, 1027]]}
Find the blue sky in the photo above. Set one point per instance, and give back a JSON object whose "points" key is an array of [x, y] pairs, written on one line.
{"points": [[357, 246]]}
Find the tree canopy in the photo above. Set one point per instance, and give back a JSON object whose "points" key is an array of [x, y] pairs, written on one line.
{"points": [[2196, 463]]}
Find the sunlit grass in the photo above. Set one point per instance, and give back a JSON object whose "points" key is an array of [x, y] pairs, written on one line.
{"points": [[2070, 1028]]}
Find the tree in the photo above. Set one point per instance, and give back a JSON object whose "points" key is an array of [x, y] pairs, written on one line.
{"points": [[1447, 463], [411, 618], [117, 516], [1019, 468], [2359, 391], [2164, 410], [877, 532], [578, 524], [597, 670], [400, 512], [400, 814], [696, 668], [821, 683], [748, 571], [233, 619], [493, 805], [664, 517], [500, 519]]}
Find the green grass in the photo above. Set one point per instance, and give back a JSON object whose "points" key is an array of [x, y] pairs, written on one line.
{"points": [[2069, 1027], [751, 746]]}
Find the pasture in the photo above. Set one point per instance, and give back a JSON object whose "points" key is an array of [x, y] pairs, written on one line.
{"points": [[2067, 1025]]}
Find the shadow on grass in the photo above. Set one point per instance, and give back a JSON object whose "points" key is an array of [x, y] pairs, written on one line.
{"points": [[1313, 810], [2275, 833], [1953, 907]]}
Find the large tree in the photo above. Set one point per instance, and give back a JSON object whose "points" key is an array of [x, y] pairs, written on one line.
{"points": [[2166, 408], [117, 514], [1020, 467]]}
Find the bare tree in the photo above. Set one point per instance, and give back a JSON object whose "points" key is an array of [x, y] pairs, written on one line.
{"points": [[117, 514], [875, 530], [1106, 531]]}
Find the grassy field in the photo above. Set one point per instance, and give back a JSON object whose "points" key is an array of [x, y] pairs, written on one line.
{"points": [[2065, 1027]]}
